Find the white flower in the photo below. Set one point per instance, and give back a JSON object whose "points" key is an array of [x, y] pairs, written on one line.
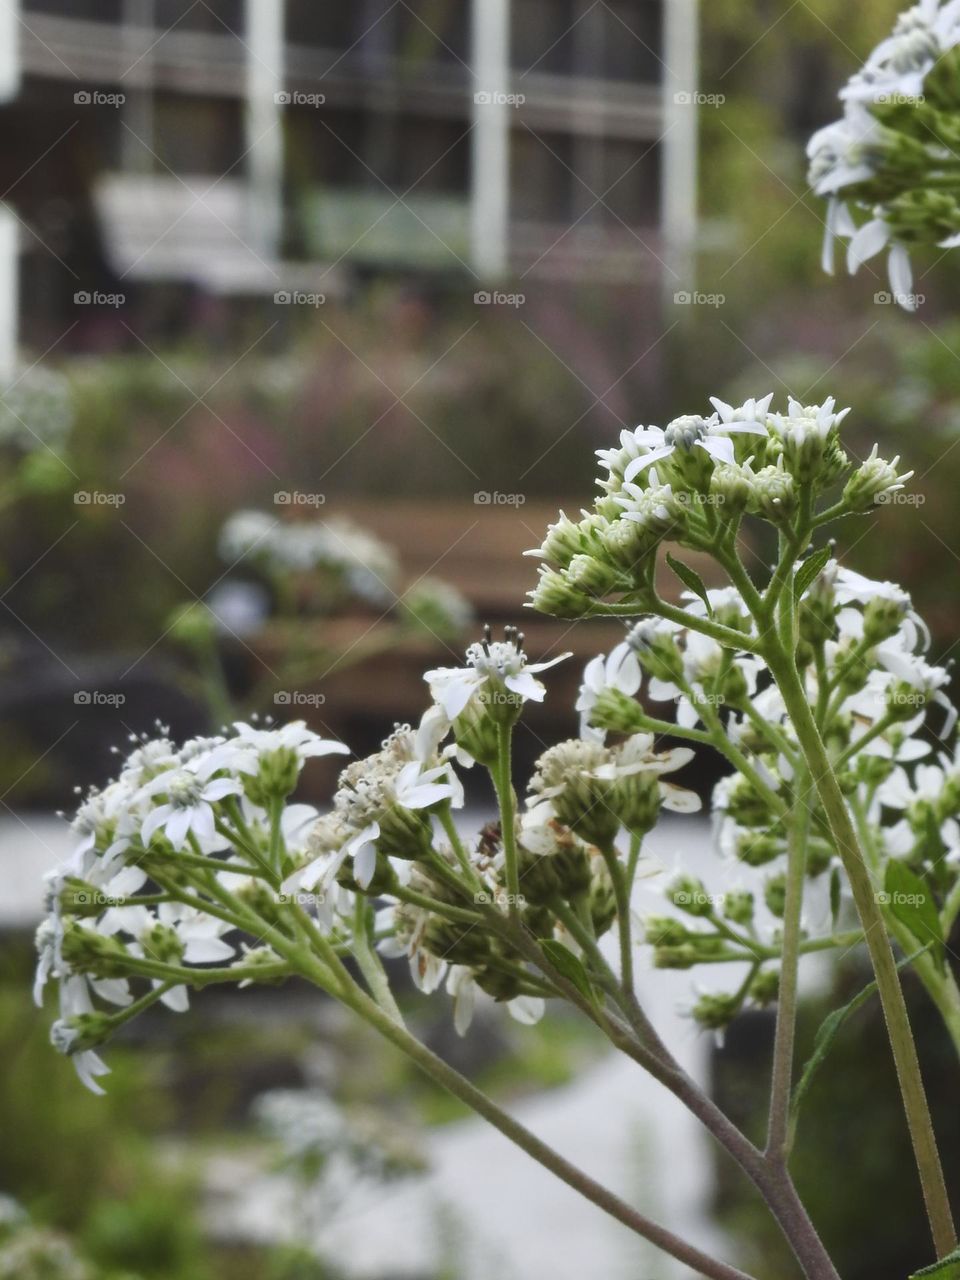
{"points": [[87, 1064], [462, 986], [691, 432], [502, 662], [899, 64], [251, 746], [843, 153], [619, 671], [803, 421], [406, 926], [187, 807]]}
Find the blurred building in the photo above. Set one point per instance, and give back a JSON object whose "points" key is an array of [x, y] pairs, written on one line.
{"points": [[251, 146]]}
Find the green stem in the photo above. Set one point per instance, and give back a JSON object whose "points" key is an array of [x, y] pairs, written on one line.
{"points": [[782, 1073], [881, 953], [621, 892], [503, 781], [370, 964], [461, 1088]]}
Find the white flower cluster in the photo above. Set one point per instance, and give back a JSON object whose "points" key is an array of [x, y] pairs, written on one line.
{"points": [[890, 154], [367, 567], [889, 727], [692, 482], [36, 410], [209, 801]]}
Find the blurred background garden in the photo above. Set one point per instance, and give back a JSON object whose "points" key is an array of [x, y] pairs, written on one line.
{"points": [[311, 316]]}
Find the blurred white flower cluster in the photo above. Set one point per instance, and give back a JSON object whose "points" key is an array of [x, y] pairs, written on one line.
{"points": [[364, 566], [888, 168], [36, 411]]}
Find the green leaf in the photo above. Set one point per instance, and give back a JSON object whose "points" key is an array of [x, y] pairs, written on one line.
{"points": [[811, 568], [690, 579], [566, 963], [910, 900], [826, 1034], [947, 1268]]}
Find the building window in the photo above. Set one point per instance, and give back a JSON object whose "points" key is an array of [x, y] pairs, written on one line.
{"points": [[198, 134]]}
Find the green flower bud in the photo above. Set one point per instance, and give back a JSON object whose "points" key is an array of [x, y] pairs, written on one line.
{"points": [[86, 951], [819, 860], [564, 540], [458, 943], [732, 486], [502, 986], [873, 483], [738, 907], [665, 931], [746, 805], [602, 902], [765, 987], [758, 850], [773, 494], [684, 956], [690, 895], [476, 732], [882, 619], [628, 543], [775, 895], [163, 944], [716, 1012], [592, 575], [636, 800], [89, 1030], [555, 595]]}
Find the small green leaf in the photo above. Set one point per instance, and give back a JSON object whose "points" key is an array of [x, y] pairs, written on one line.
{"points": [[811, 568], [690, 579], [947, 1268], [910, 900], [826, 1034], [566, 963], [836, 884]]}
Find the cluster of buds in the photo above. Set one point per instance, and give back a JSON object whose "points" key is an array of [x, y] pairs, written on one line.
{"points": [[891, 159], [862, 658], [691, 483]]}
